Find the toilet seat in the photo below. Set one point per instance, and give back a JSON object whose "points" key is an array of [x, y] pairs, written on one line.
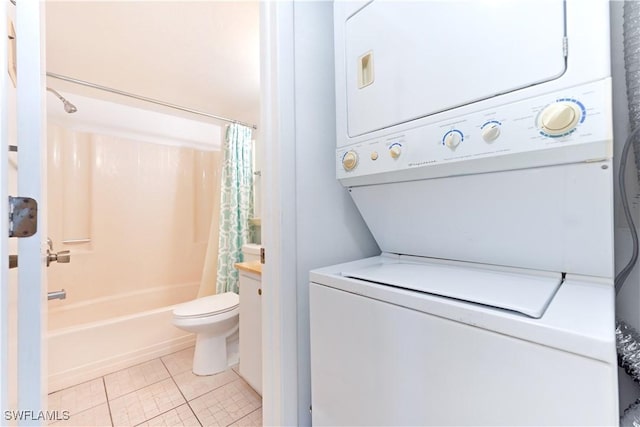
{"points": [[207, 306]]}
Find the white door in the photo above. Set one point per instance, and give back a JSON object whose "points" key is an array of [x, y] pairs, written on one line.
{"points": [[395, 51], [23, 295]]}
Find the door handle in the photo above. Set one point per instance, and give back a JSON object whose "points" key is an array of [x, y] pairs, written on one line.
{"points": [[60, 257], [13, 261]]}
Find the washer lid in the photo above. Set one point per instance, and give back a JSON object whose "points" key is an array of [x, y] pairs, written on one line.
{"points": [[208, 305], [522, 293]]}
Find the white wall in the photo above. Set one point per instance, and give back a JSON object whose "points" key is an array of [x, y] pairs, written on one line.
{"points": [[317, 223], [329, 227], [199, 54], [628, 300]]}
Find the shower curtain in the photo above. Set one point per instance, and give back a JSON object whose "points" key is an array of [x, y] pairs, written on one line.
{"points": [[209, 270], [236, 205]]}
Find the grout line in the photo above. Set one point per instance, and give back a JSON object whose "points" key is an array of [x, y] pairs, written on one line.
{"points": [[249, 385], [216, 388], [113, 372], [72, 386], [182, 394], [133, 366], [177, 373], [106, 391], [90, 407], [194, 414], [241, 418], [104, 384], [162, 413], [140, 388], [85, 410], [71, 415]]}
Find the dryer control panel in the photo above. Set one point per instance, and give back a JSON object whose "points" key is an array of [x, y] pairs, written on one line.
{"points": [[566, 127]]}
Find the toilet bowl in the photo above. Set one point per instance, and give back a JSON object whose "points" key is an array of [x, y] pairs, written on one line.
{"points": [[214, 320]]}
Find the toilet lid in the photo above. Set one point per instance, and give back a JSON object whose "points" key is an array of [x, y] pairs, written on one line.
{"points": [[213, 304]]}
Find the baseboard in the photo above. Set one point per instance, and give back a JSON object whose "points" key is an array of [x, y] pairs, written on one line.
{"points": [[83, 373]]}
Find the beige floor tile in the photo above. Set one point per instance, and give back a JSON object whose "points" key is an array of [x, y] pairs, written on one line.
{"points": [[134, 378], [96, 416], [226, 404], [193, 386], [254, 419], [79, 397], [180, 361], [146, 403], [182, 416]]}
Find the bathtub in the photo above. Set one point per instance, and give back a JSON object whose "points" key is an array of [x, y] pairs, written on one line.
{"points": [[115, 333]]}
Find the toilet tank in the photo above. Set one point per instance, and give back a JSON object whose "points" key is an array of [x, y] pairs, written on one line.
{"points": [[251, 252]]}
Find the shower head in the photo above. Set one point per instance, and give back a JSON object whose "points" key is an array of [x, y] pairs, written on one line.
{"points": [[68, 107]]}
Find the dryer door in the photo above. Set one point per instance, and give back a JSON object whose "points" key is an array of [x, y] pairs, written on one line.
{"points": [[406, 60]]}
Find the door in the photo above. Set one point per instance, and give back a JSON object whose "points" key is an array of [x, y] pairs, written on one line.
{"points": [[412, 59], [23, 294]]}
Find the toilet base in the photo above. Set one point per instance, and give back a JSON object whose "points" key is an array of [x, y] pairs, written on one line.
{"points": [[210, 355]]}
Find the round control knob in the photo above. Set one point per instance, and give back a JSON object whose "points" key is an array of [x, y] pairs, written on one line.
{"points": [[374, 155], [452, 140], [395, 151], [559, 118], [491, 132], [350, 160]]}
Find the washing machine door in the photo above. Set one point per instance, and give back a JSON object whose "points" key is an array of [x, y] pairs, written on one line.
{"points": [[407, 60]]}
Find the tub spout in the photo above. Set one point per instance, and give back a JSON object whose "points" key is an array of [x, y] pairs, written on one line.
{"points": [[61, 294]]}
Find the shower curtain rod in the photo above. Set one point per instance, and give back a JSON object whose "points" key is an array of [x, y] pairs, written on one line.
{"points": [[144, 98]]}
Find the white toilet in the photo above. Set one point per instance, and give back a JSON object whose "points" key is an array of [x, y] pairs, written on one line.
{"points": [[251, 252], [214, 320]]}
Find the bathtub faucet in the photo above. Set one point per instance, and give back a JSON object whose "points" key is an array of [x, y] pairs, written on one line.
{"points": [[61, 294]]}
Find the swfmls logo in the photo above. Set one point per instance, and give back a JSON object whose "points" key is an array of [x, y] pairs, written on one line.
{"points": [[36, 415]]}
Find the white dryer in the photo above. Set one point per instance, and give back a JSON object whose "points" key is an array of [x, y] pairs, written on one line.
{"points": [[475, 138]]}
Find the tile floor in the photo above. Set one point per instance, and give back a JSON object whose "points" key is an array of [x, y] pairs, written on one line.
{"points": [[162, 392]]}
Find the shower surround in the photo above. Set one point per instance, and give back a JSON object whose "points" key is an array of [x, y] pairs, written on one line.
{"points": [[134, 207]]}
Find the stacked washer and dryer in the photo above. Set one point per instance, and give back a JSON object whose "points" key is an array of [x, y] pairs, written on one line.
{"points": [[476, 140]]}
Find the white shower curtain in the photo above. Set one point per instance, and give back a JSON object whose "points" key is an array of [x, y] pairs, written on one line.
{"points": [[209, 270]]}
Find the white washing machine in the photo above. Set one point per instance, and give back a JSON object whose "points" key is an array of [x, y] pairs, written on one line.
{"points": [[475, 138]]}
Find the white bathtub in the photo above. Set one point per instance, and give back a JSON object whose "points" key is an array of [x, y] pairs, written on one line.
{"points": [[115, 333]]}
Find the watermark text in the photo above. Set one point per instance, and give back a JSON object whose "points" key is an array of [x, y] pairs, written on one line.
{"points": [[30, 415]]}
